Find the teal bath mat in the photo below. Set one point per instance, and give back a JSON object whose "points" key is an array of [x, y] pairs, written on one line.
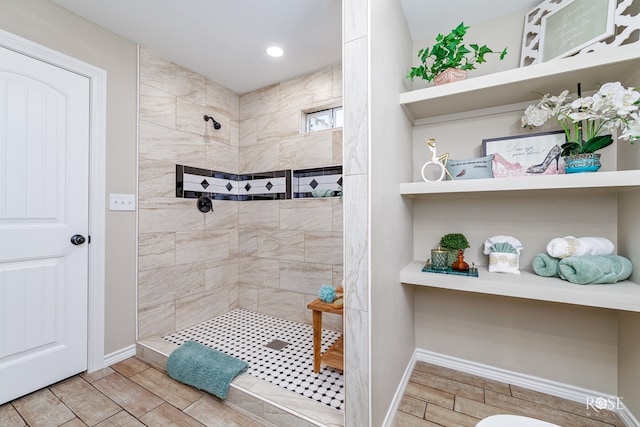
{"points": [[205, 368]]}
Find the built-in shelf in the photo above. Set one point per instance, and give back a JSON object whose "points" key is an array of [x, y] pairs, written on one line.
{"points": [[623, 295], [522, 84], [611, 181]]}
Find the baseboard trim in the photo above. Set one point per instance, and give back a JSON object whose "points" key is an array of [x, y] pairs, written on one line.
{"points": [[627, 417], [397, 398], [566, 391], [119, 355]]}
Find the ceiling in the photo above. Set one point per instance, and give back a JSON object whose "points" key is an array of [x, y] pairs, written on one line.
{"points": [[225, 40]]}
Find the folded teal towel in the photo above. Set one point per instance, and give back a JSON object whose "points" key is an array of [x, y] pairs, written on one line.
{"points": [[545, 265], [204, 367], [594, 269]]}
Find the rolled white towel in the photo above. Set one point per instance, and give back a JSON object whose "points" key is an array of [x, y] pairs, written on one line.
{"points": [[563, 247]]}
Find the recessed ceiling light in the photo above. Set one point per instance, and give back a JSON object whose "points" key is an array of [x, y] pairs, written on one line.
{"points": [[275, 51]]}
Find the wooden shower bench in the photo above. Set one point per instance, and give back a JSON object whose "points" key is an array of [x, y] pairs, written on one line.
{"points": [[334, 356]]}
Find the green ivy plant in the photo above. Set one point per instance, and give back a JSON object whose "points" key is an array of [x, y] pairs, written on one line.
{"points": [[450, 52]]}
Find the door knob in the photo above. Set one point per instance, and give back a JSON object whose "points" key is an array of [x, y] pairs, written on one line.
{"points": [[77, 239]]}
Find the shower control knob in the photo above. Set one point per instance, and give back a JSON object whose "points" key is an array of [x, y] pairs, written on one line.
{"points": [[77, 239]]}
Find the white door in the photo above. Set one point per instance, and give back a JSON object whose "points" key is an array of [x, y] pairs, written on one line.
{"points": [[44, 155]]}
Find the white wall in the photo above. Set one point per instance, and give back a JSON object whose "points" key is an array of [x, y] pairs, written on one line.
{"points": [[391, 215], [496, 34], [49, 25]]}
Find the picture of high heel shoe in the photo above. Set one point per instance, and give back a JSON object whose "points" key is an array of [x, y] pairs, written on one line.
{"points": [[554, 154], [499, 160]]}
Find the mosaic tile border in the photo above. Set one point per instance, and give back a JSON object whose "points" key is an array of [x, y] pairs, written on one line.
{"points": [[192, 183]]}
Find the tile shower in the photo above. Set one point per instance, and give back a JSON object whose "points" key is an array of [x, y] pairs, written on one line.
{"points": [[267, 256]]}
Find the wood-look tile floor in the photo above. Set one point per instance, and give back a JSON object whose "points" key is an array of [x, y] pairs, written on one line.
{"points": [[128, 394], [437, 396]]}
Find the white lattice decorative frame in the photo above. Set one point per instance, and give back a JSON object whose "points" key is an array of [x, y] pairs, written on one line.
{"points": [[625, 26]]}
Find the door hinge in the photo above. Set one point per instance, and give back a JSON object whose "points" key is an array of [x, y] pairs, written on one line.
{"points": [[88, 239]]}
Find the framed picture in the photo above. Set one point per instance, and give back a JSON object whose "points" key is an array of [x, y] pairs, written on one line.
{"points": [[526, 155], [577, 24], [560, 28]]}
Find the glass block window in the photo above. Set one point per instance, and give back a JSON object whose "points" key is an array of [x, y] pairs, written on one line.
{"points": [[325, 119]]}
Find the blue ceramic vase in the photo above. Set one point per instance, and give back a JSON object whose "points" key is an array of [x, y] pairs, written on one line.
{"points": [[586, 162]]}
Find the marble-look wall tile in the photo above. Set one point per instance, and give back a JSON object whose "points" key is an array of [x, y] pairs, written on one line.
{"points": [[170, 77], [337, 81], [208, 411], [248, 242], [335, 322], [257, 158], [161, 215], [155, 70], [356, 18], [356, 247], [156, 250], [190, 118], [223, 100], [338, 276], [197, 246], [307, 151], [156, 179], [355, 133], [157, 106], [323, 247], [304, 277], [234, 137], [261, 272], [156, 320], [223, 216], [233, 242], [170, 146], [197, 308], [259, 102], [307, 90], [248, 132], [234, 297], [280, 124], [190, 86], [337, 146], [221, 273], [337, 217], [186, 256], [165, 285], [281, 244], [259, 214], [221, 156], [283, 304], [306, 214], [356, 357], [281, 418], [248, 297]]}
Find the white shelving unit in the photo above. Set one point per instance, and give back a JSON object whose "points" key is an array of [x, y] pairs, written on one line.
{"points": [[620, 296], [611, 181], [521, 84], [511, 87]]}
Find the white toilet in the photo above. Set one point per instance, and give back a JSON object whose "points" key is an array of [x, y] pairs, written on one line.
{"points": [[513, 421]]}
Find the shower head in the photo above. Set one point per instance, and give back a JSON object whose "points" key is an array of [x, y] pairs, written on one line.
{"points": [[216, 125]]}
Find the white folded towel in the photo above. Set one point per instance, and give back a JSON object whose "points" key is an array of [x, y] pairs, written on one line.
{"points": [[563, 247]]}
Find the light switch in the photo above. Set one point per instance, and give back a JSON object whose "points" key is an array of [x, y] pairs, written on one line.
{"points": [[122, 202]]}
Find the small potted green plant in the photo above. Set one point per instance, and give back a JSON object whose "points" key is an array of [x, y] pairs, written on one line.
{"points": [[453, 242], [450, 53]]}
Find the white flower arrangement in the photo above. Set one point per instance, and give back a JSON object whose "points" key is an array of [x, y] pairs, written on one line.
{"points": [[585, 119]]}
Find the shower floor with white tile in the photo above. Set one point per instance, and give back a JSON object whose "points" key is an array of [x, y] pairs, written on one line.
{"points": [[287, 362]]}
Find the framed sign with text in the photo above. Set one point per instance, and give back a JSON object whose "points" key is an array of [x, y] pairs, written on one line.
{"points": [[560, 28]]}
